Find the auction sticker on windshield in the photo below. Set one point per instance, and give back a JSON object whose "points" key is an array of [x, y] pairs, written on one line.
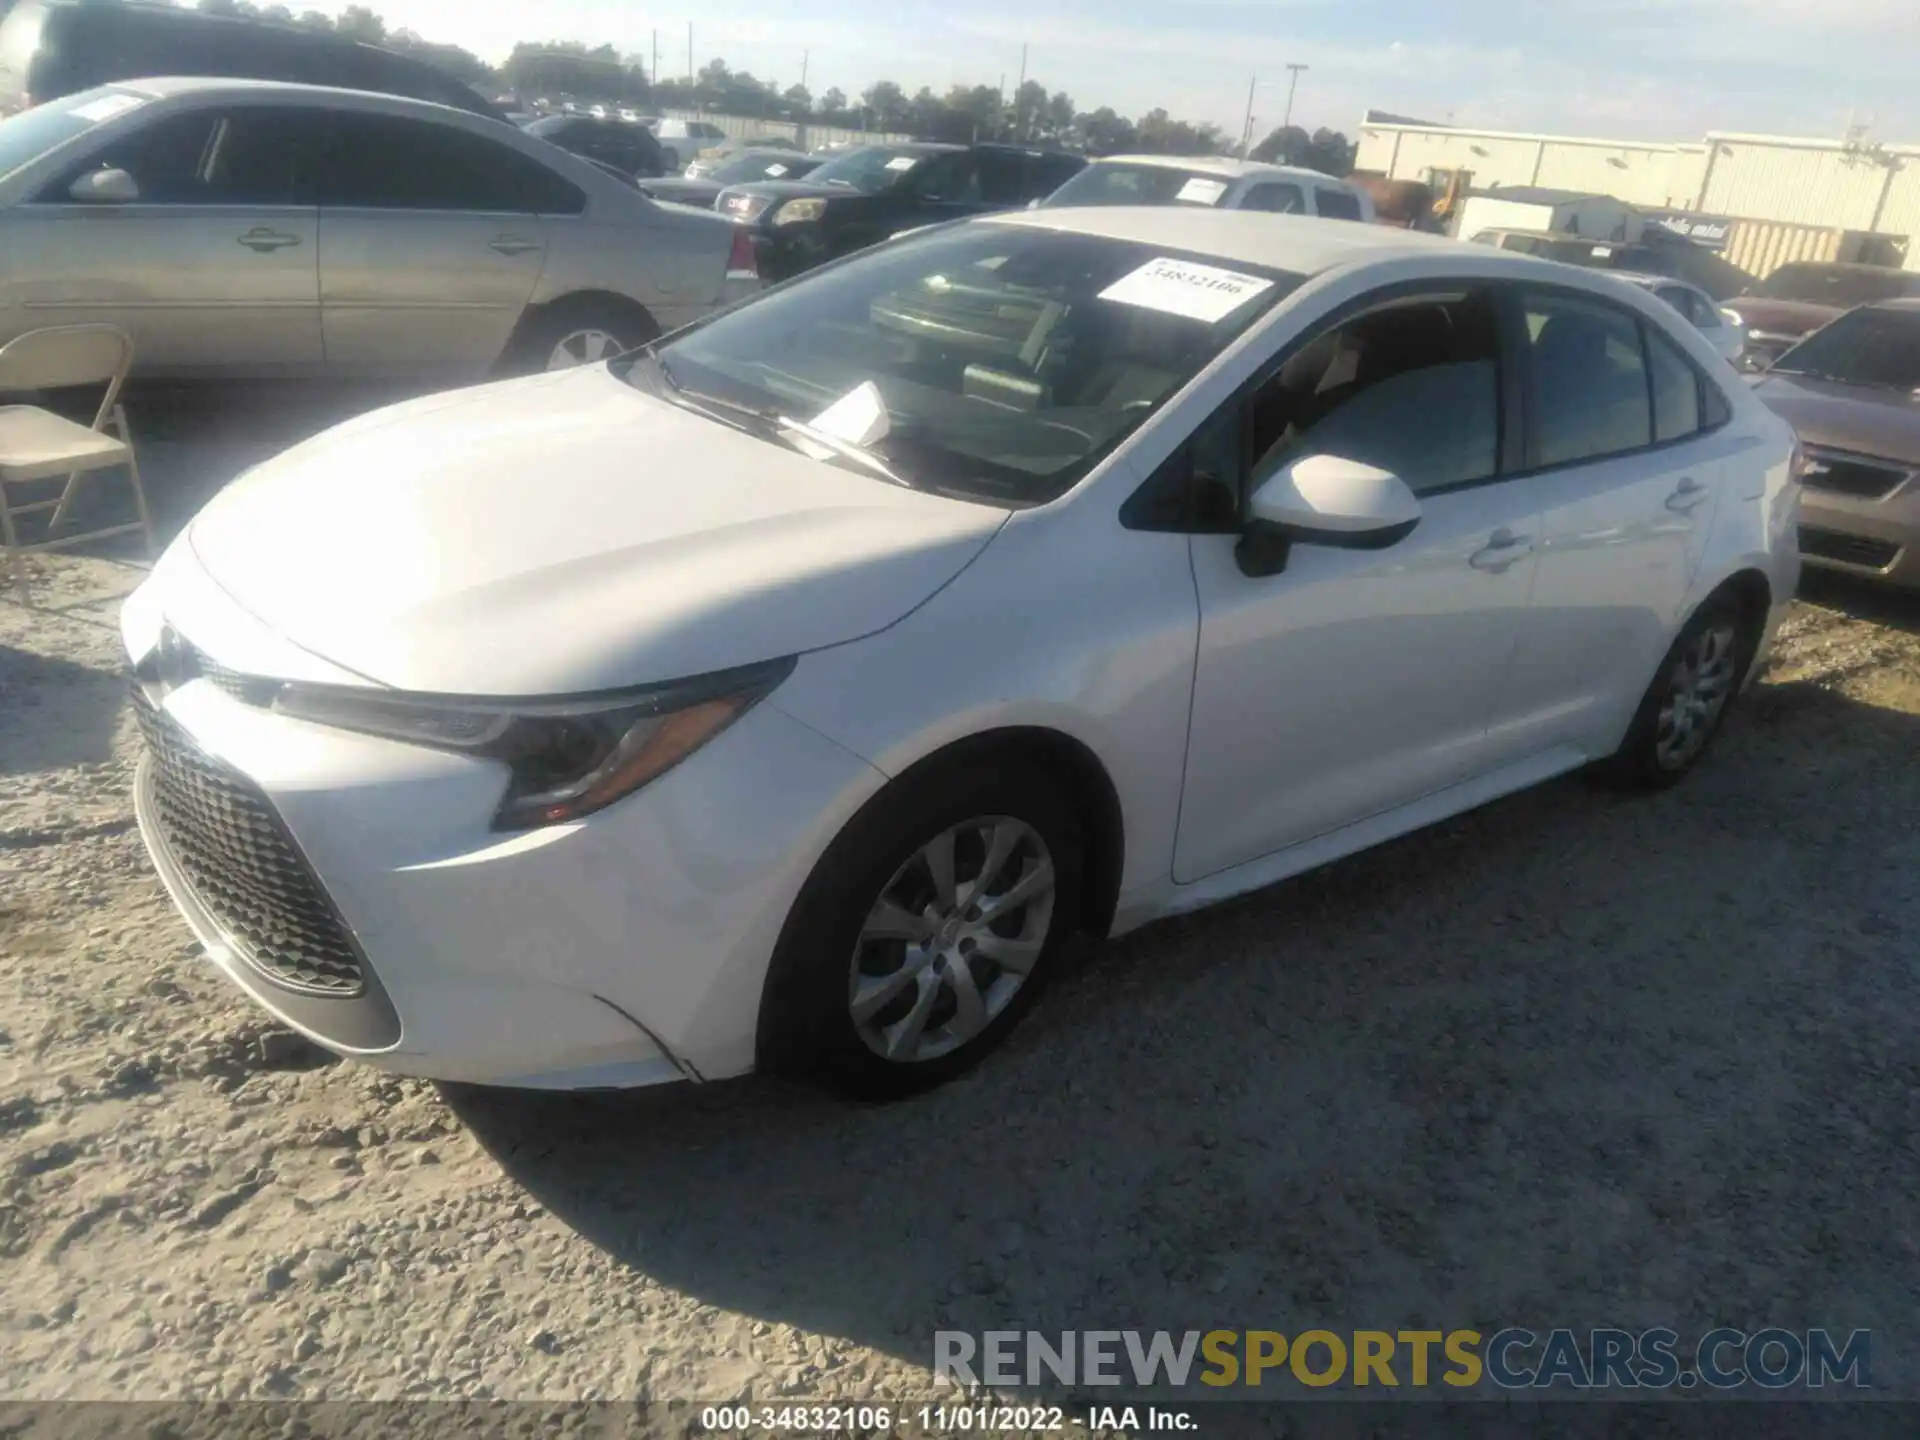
{"points": [[1201, 191], [903, 162], [1181, 287]]}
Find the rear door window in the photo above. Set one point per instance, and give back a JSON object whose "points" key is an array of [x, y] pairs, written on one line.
{"points": [[1275, 197], [1336, 204], [1676, 391], [1592, 392], [384, 162]]}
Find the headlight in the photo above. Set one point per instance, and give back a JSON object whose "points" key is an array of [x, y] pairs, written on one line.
{"points": [[799, 212], [565, 758]]}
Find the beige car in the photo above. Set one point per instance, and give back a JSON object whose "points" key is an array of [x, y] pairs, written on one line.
{"points": [[243, 228]]}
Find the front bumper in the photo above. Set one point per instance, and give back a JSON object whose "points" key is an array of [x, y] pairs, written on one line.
{"points": [[782, 254], [625, 949], [1875, 539]]}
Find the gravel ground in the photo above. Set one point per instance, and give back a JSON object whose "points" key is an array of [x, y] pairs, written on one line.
{"points": [[1575, 1059]]}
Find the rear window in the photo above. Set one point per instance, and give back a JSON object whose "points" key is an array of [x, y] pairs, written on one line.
{"points": [[1122, 184], [1010, 358], [25, 137], [1336, 204]]}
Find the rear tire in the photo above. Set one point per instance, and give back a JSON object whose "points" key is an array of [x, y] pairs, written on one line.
{"points": [[1688, 700], [577, 332], [926, 930]]}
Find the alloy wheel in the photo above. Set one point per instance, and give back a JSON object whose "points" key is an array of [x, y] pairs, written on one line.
{"points": [[1698, 688], [952, 938], [583, 347]]}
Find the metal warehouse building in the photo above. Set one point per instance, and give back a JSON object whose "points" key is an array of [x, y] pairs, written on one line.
{"points": [[1846, 185]]}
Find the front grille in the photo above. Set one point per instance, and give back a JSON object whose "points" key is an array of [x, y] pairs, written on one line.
{"points": [[1848, 549], [235, 853], [1848, 475]]}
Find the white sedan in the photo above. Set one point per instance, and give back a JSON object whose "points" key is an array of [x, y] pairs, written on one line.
{"points": [[1724, 332], [788, 693]]}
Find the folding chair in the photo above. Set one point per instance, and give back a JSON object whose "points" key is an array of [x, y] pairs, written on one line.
{"points": [[36, 444]]}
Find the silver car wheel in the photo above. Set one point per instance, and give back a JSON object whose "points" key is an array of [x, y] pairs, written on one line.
{"points": [[1698, 687], [583, 347], [951, 939]]}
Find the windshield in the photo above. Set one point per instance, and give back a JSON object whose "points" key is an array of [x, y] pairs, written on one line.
{"points": [[27, 136], [762, 167], [1009, 359], [1108, 184], [1842, 287], [1875, 348], [870, 170]]}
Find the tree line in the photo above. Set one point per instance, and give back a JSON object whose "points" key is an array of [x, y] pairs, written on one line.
{"points": [[568, 68]]}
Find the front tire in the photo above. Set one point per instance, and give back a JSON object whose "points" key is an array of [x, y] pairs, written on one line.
{"points": [[1688, 700], [926, 930]]}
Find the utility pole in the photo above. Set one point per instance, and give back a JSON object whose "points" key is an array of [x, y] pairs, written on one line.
{"points": [[653, 75], [805, 55], [1246, 126], [1020, 120], [1292, 85], [690, 54]]}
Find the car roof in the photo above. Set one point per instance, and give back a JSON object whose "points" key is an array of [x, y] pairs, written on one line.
{"points": [[166, 87], [1221, 165], [1647, 278], [1297, 243]]}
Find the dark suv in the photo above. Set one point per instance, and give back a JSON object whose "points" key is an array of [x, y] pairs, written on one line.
{"points": [[616, 144], [51, 48], [868, 194]]}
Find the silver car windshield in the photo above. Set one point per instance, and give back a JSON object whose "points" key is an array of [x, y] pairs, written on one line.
{"points": [[25, 137], [1008, 359]]}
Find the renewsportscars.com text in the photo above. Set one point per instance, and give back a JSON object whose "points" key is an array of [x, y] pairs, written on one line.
{"points": [[1509, 1359]]}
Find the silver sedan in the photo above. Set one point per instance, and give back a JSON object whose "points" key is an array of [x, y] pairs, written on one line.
{"points": [[242, 228]]}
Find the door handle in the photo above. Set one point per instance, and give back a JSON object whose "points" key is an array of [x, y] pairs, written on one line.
{"points": [[1503, 550], [1687, 494], [512, 245], [263, 238]]}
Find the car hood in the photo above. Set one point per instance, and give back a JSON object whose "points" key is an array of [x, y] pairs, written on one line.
{"points": [[1884, 424], [1781, 317], [569, 533], [683, 191], [795, 190]]}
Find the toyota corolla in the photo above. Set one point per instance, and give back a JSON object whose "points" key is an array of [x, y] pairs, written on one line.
{"points": [[790, 692]]}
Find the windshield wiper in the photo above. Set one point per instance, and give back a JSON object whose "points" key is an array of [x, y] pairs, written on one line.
{"points": [[846, 449], [772, 425]]}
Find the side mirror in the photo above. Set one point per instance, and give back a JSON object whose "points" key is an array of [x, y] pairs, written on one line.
{"points": [[1324, 500], [104, 187]]}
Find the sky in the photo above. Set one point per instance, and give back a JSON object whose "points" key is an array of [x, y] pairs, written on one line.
{"points": [[1636, 69]]}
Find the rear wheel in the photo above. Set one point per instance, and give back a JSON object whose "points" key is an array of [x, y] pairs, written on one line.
{"points": [[572, 334], [1684, 707], [926, 931]]}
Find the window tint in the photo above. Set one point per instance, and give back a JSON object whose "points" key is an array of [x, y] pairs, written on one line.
{"points": [[1276, 199], [1590, 380], [238, 157], [385, 163], [1049, 172], [1002, 181], [1336, 204], [1676, 391], [949, 178], [1704, 312], [1412, 387]]}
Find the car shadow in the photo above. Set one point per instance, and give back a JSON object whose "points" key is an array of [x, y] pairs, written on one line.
{"points": [[1532, 1063], [1897, 609], [56, 714]]}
